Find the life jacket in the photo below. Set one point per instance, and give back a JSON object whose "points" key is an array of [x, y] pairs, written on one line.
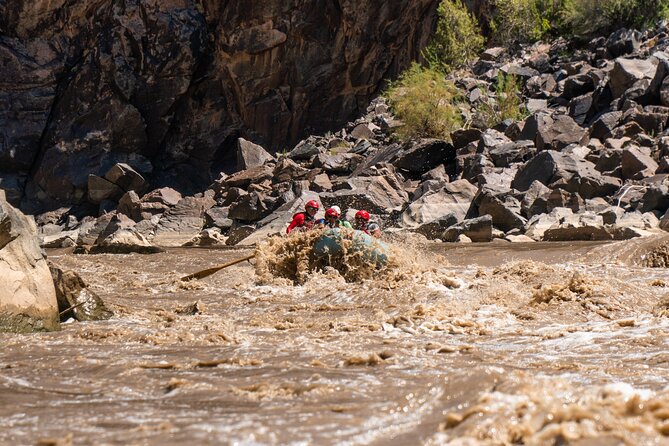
{"points": [[308, 220], [326, 223]]}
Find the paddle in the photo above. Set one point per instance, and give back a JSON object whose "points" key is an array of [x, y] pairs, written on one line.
{"points": [[210, 271]]}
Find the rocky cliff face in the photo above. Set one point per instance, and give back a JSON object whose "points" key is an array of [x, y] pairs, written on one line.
{"points": [[168, 86]]}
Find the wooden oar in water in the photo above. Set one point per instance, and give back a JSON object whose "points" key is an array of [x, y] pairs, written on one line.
{"points": [[210, 271]]}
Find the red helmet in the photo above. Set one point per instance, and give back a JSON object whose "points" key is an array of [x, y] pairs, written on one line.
{"points": [[312, 204], [332, 213], [362, 214]]}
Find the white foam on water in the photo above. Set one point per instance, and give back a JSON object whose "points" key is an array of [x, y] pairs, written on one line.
{"points": [[627, 391]]}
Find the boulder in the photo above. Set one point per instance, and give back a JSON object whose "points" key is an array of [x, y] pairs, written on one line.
{"points": [[492, 54], [536, 190], [129, 204], [64, 239], [504, 210], [275, 223], [453, 198], [566, 171], [437, 173], [117, 222], [611, 215], [251, 207], [250, 155], [426, 187], [497, 179], [664, 92], [127, 178], [27, 294], [626, 72], [376, 194], [476, 229], [637, 163], [420, 157], [248, 176], [239, 232], [518, 238], [519, 71], [287, 169], [623, 42], [605, 124], [125, 240], [586, 226], [462, 137], [579, 108], [321, 183], [534, 105], [341, 163], [100, 189], [655, 197], [434, 229], [91, 230], [540, 223], [653, 94], [577, 85], [503, 155], [363, 131], [75, 299], [609, 160], [558, 132], [208, 237], [304, 151], [217, 217], [556, 198], [597, 205], [165, 195], [182, 222]]}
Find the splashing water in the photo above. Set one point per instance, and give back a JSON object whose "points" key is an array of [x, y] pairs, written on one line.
{"points": [[295, 259]]}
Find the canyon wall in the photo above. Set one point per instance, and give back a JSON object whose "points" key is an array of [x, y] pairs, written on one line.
{"points": [[168, 86]]}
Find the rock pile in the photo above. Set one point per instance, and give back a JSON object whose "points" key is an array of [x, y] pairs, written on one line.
{"points": [[589, 162]]}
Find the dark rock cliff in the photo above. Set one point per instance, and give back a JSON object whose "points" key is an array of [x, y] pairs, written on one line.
{"points": [[168, 86]]}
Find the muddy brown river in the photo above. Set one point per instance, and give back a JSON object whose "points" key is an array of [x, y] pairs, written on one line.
{"points": [[483, 344]]}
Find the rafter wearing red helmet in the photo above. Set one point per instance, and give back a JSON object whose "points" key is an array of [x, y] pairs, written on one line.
{"points": [[362, 223], [304, 220], [332, 219]]}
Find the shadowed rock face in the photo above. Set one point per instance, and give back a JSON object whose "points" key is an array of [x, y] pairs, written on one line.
{"points": [[168, 86]]}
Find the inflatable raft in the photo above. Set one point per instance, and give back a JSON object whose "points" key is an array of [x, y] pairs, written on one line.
{"points": [[332, 240]]}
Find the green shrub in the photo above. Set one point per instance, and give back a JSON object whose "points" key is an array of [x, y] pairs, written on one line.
{"points": [[507, 104], [425, 102], [587, 18], [457, 39], [520, 21]]}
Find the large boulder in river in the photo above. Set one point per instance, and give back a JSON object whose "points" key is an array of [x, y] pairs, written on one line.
{"points": [[75, 299], [27, 294]]}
